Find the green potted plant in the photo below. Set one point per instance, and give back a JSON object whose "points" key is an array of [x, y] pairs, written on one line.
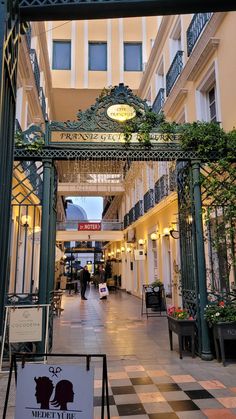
{"points": [[157, 283], [219, 313], [221, 317]]}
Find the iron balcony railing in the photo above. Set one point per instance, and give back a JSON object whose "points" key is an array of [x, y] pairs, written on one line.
{"points": [[17, 125], [174, 71], [159, 101], [195, 29], [28, 37], [126, 220], [173, 179], [161, 188], [149, 200], [107, 205], [42, 102], [35, 65], [30, 169], [105, 225], [138, 209], [131, 215]]}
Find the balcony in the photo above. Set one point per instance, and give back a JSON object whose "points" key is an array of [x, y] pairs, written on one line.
{"points": [[159, 101], [35, 65], [126, 220], [28, 37], [131, 215], [161, 188], [42, 102], [17, 126], [138, 209], [195, 29], [32, 173], [174, 71], [149, 200], [173, 180]]}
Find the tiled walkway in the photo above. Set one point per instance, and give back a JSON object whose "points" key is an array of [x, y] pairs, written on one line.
{"points": [[146, 379]]}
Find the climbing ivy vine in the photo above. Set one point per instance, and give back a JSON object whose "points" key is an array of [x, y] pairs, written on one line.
{"points": [[35, 143]]}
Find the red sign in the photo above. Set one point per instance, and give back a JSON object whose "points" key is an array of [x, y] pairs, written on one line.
{"points": [[89, 226]]}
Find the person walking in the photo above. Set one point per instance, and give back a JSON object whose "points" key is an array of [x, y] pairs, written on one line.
{"points": [[102, 279], [84, 279]]}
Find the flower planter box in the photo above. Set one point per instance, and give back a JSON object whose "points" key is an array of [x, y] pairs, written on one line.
{"points": [[183, 328], [221, 332]]}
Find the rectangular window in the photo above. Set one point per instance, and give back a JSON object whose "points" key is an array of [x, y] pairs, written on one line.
{"points": [[97, 56], [132, 56], [61, 55], [212, 104]]}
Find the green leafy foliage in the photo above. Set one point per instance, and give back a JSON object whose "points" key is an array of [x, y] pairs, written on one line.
{"points": [[157, 283], [142, 124], [36, 143], [220, 313]]}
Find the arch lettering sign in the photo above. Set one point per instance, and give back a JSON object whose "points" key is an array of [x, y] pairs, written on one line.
{"points": [[103, 122]]}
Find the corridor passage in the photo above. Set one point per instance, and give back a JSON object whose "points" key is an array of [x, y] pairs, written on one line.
{"points": [[146, 379]]}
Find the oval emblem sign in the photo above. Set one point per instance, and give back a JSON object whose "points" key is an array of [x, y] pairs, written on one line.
{"points": [[121, 112]]}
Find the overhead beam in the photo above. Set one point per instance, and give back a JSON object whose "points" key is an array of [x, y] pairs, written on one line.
{"points": [[133, 152], [105, 235], [100, 9], [86, 189]]}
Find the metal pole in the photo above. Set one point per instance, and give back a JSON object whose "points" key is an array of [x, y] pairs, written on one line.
{"points": [[200, 263], [44, 256], [52, 235]]}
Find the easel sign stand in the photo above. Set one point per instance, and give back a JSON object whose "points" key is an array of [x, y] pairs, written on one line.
{"points": [[55, 391], [25, 324], [153, 298]]}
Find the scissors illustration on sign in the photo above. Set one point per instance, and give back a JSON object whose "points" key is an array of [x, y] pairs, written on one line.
{"points": [[55, 371]]}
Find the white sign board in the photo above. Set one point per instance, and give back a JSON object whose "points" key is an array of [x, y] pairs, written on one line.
{"points": [[54, 392], [25, 325], [139, 255]]}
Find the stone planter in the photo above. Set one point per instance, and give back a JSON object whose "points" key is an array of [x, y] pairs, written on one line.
{"points": [[183, 328], [221, 332]]}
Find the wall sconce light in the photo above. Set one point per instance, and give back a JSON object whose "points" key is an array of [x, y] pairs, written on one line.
{"points": [[118, 251], [128, 249], [154, 236], [166, 231], [141, 242], [122, 248], [37, 229], [174, 233], [112, 254], [109, 254], [26, 220], [189, 219]]}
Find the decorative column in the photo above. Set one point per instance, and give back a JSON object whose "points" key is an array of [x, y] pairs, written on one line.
{"points": [[52, 233], [45, 234], [200, 262]]}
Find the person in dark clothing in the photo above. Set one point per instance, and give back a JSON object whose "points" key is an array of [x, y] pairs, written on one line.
{"points": [[84, 278]]}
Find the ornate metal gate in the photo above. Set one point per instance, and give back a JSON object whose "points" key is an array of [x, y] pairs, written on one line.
{"points": [[9, 30]]}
